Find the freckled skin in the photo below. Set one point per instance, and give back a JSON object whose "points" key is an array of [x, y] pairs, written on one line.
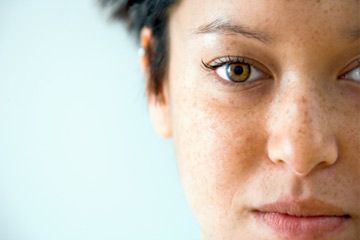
{"points": [[296, 134]]}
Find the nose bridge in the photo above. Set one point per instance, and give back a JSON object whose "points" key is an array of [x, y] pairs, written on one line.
{"points": [[300, 132]]}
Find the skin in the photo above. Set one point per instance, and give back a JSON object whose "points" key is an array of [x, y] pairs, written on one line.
{"points": [[294, 134]]}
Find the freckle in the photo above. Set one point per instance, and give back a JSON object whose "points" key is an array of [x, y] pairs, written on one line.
{"points": [[303, 100], [301, 131]]}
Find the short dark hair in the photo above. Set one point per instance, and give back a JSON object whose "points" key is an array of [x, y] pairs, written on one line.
{"points": [[154, 14]]}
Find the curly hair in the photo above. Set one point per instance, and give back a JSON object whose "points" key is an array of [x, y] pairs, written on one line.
{"points": [[154, 14]]}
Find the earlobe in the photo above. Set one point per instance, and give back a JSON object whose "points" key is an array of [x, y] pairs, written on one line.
{"points": [[161, 118]]}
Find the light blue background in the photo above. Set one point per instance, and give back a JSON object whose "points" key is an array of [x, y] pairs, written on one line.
{"points": [[78, 156]]}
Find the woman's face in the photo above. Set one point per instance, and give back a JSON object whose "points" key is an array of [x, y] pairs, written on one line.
{"points": [[267, 128]]}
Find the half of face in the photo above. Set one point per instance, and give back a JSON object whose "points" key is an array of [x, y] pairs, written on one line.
{"points": [[263, 103]]}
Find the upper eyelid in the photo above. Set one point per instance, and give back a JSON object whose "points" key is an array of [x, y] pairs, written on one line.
{"points": [[226, 60], [230, 59], [351, 66]]}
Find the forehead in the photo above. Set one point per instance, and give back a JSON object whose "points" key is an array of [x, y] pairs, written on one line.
{"points": [[277, 18]]}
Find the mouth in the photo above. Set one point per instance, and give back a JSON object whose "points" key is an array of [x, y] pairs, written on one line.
{"points": [[302, 219]]}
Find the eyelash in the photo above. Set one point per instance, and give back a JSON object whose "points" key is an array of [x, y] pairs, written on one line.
{"points": [[227, 60], [224, 60]]}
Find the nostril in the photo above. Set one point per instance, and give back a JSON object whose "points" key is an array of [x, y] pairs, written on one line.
{"points": [[301, 156]]}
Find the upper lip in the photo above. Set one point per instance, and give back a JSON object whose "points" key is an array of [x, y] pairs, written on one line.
{"points": [[302, 208]]}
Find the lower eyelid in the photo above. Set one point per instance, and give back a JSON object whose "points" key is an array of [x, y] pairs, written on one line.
{"points": [[230, 85]]}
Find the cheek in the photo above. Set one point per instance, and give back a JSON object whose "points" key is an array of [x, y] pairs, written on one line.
{"points": [[219, 146]]}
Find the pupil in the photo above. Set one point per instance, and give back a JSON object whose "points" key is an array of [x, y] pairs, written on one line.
{"points": [[238, 70]]}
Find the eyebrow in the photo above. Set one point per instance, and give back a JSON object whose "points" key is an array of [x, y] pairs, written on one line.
{"points": [[225, 27]]}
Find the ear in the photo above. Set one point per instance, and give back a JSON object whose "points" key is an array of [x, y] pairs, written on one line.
{"points": [[160, 116], [159, 106]]}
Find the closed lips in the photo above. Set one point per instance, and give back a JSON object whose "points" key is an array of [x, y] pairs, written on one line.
{"points": [[307, 218]]}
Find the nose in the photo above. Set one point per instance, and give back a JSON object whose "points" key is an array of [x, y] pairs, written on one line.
{"points": [[301, 135]]}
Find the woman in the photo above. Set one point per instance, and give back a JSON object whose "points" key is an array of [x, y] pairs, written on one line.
{"points": [[262, 99]]}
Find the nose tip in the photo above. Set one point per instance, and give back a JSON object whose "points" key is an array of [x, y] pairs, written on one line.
{"points": [[303, 157]]}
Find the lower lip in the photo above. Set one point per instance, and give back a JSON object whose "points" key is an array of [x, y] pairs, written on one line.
{"points": [[306, 227]]}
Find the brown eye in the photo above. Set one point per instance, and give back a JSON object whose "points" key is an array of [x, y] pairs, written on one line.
{"points": [[238, 72]]}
